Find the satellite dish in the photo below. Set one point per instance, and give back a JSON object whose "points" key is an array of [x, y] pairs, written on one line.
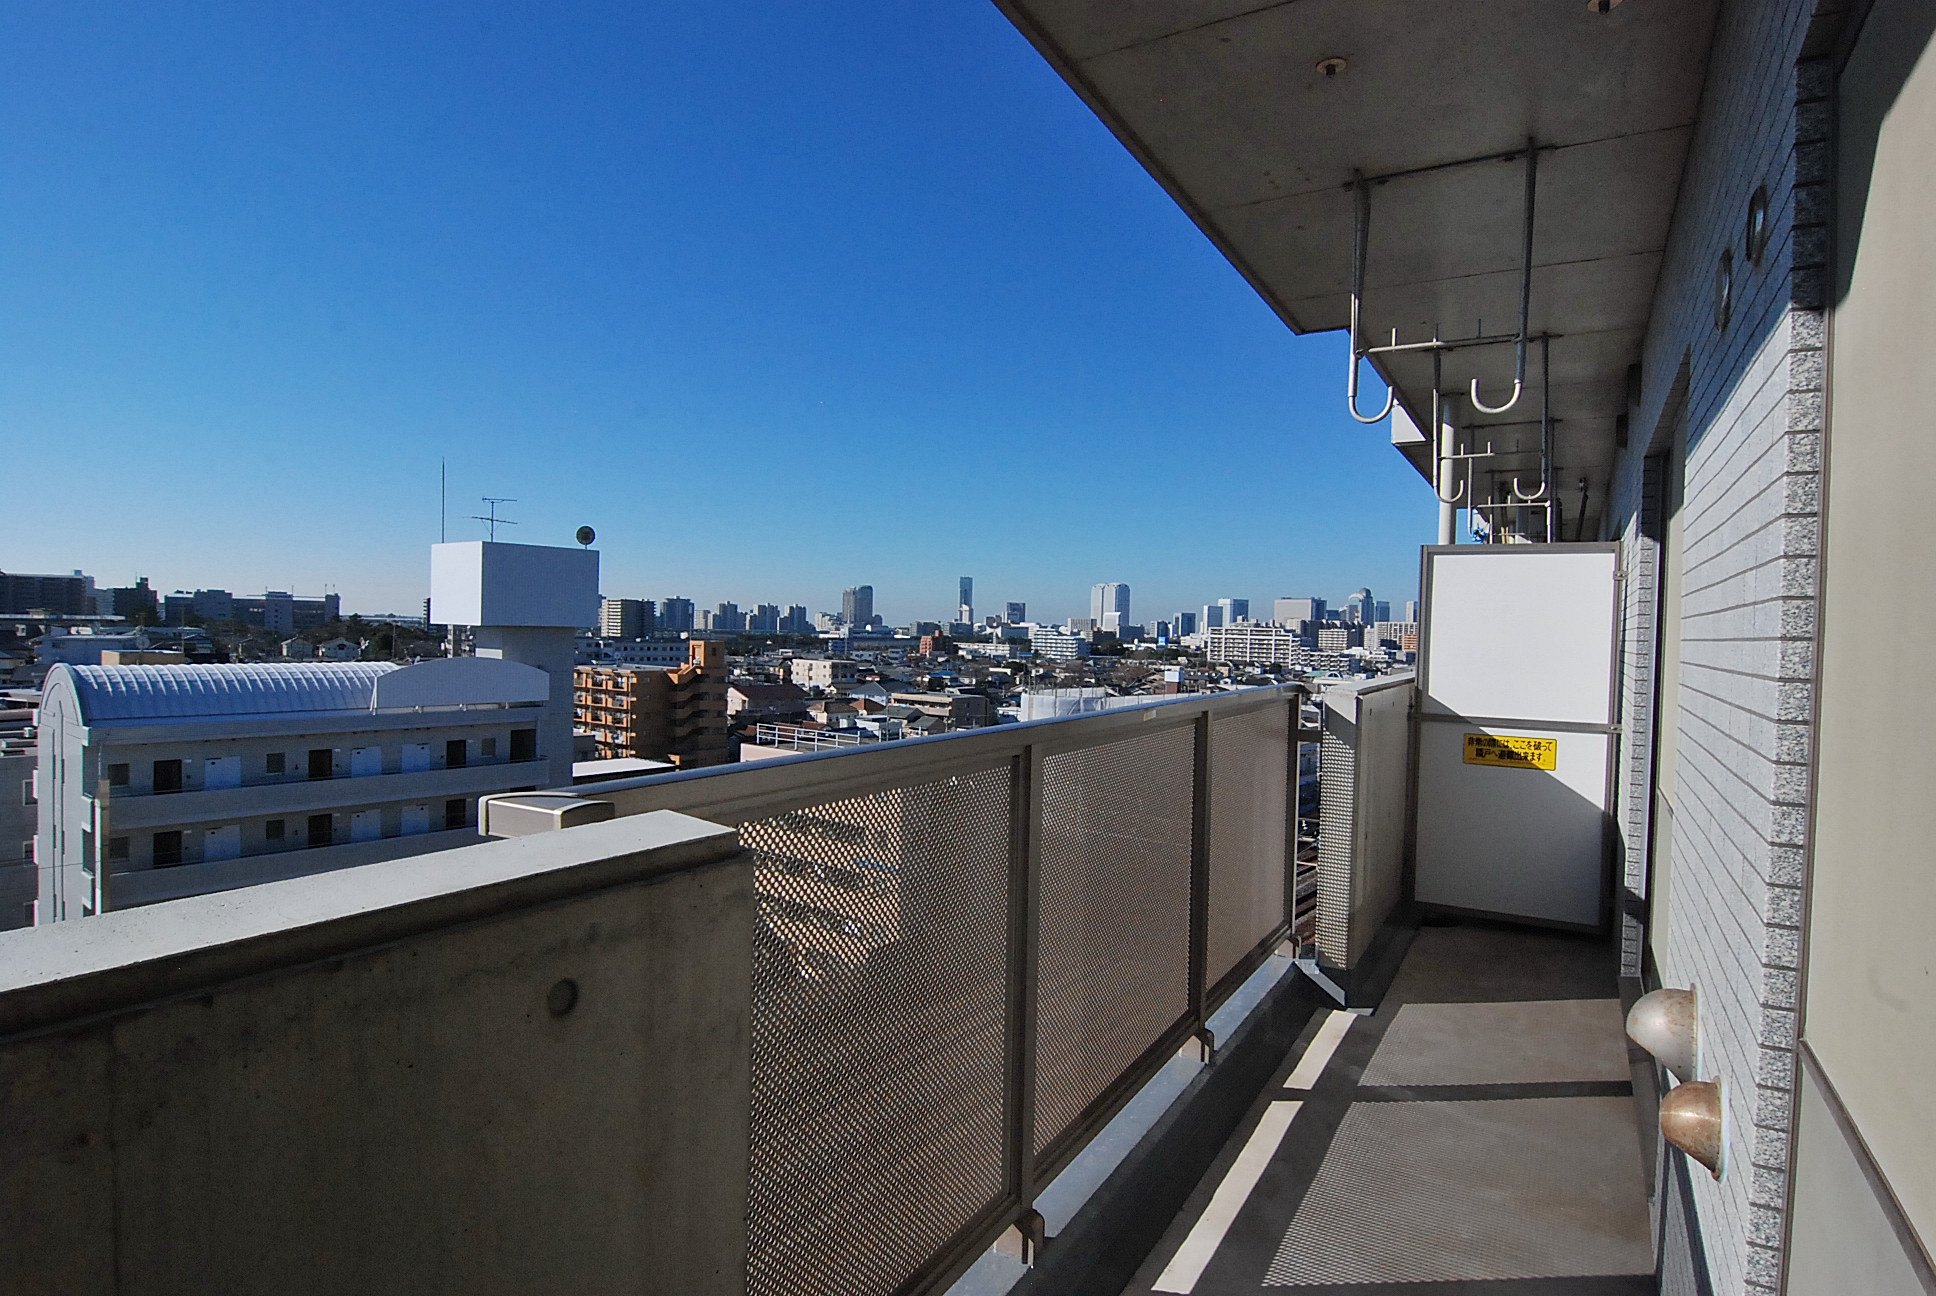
{"points": [[586, 535]]}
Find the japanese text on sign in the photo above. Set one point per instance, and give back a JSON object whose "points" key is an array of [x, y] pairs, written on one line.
{"points": [[1515, 753]]}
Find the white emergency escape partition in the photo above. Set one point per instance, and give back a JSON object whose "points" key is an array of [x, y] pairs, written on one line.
{"points": [[1515, 744]]}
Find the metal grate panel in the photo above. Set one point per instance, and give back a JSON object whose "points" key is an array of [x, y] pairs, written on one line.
{"points": [[878, 1014], [1114, 915], [1249, 805], [1337, 800]]}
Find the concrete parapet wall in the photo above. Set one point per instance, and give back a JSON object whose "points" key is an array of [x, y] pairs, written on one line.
{"points": [[522, 1067]]}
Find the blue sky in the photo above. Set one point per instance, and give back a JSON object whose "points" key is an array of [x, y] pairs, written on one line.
{"points": [[779, 298]]}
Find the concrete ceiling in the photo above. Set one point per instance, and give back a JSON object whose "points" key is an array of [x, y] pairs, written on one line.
{"points": [[1223, 101]]}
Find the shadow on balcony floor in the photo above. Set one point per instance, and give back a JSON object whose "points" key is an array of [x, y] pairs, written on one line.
{"points": [[1477, 1134]]}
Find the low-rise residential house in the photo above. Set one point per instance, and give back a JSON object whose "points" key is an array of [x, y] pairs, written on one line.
{"points": [[748, 701], [823, 672], [959, 710]]}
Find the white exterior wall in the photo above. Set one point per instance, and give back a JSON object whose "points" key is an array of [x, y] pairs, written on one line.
{"points": [[399, 786], [1754, 412], [822, 672]]}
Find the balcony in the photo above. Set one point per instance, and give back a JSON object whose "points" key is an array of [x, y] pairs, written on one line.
{"points": [[221, 805], [878, 1020]]}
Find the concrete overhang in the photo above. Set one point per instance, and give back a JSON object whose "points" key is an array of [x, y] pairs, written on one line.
{"points": [[1226, 105]]}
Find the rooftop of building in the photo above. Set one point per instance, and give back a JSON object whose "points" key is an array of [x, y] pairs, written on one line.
{"points": [[145, 694]]}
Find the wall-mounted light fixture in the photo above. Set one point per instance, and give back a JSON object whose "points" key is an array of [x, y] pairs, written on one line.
{"points": [[1601, 6], [1667, 1023], [1694, 1118], [1693, 1115]]}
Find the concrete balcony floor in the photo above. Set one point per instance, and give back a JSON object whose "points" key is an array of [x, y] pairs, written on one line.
{"points": [[1477, 1133]]}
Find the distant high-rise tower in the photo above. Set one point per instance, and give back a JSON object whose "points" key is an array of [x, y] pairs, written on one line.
{"points": [[1185, 623], [1359, 609], [857, 605], [1107, 597], [675, 614], [1015, 613], [625, 618], [1290, 611], [1234, 610], [966, 613]]}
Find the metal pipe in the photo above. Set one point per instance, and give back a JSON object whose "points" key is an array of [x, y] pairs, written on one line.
{"points": [[1445, 469], [1525, 292], [1360, 236], [1545, 431], [1443, 344]]}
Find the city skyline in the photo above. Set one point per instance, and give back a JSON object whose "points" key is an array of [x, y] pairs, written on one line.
{"points": [[1079, 605]]}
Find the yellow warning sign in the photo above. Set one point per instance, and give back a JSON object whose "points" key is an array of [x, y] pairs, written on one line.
{"points": [[1516, 753]]}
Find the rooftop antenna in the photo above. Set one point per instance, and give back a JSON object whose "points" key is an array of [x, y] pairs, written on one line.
{"points": [[494, 521]]}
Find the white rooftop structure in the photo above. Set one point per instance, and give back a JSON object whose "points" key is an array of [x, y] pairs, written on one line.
{"points": [[488, 583], [136, 694]]}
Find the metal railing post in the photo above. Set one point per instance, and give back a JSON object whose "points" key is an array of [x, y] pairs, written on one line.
{"points": [[1291, 773], [1200, 884], [1024, 934]]}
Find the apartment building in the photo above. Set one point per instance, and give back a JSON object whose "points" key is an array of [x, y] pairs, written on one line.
{"points": [[19, 813], [22, 593], [1337, 638], [623, 618], [592, 650], [675, 713], [823, 672], [1400, 634], [1251, 643], [1057, 644], [157, 782]]}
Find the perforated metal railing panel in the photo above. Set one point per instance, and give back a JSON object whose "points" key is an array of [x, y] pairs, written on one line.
{"points": [[878, 998], [1114, 915], [1249, 790], [1337, 797]]}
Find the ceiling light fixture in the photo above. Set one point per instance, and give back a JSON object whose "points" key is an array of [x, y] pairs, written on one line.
{"points": [[1331, 66], [1601, 6]]}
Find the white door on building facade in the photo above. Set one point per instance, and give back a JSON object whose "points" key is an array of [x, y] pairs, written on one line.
{"points": [[1516, 733], [366, 825], [416, 818], [222, 772], [416, 758], [224, 843], [365, 761]]}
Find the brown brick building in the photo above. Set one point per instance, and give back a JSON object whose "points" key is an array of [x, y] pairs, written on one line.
{"points": [[657, 713]]}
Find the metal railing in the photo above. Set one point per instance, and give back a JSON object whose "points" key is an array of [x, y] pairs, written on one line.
{"points": [[973, 949], [801, 738]]}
